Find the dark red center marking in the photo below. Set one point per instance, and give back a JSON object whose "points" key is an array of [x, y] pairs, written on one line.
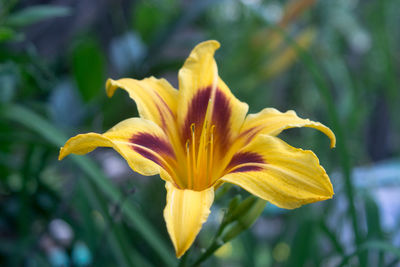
{"points": [[221, 116], [148, 155], [245, 158], [162, 112], [196, 113], [152, 142], [250, 134], [222, 113]]}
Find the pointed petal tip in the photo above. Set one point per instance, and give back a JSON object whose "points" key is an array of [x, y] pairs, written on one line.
{"points": [[61, 154], [329, 194], [209, 43], [205, 48], [179, 253], [325, 129], [185, 213], [110, 87], [333, 141]]}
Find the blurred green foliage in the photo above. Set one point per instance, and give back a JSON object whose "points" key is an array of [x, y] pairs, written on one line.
{"points": [[88, 68], [332, 61]]}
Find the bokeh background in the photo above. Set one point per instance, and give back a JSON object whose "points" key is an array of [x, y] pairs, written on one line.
{"points": [[336, 62]]}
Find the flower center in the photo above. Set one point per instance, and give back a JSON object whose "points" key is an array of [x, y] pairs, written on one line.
{"points": [[199, 157]]}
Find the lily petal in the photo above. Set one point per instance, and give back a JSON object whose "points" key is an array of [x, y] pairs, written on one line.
{"points": [[198, 73], [185, 213], [141, 142], [283, 175], [271, 121], [156, 99], [201, 89]]}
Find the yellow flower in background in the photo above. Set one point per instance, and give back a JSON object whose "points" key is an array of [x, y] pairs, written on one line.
{"points": [[199, 137]]}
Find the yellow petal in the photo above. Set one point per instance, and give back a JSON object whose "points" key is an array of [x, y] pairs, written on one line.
{"points": [[203, 96], [184, 214], [283, 175], [271, 121], [199, 72], [156, 99], [141, 142]]}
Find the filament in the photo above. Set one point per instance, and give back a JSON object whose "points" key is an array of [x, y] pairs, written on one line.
{"points": [[210, 156], [189, 171]]}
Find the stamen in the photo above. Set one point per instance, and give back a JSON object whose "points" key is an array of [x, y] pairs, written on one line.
{"points": [[203, 135], [210, 156], [189, 172], [194, 170], [199, 159]]}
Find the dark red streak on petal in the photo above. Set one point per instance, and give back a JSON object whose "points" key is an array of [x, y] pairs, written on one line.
{"points": [[249, 134], [153, 143], [249, 168], [147, 155], [165, 105], [163, 122], [221, 119], [244, 158], [196, 112], [162, 111]]}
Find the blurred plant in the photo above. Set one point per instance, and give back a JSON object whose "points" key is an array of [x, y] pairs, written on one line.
{"points": [[335, 61], [277, 55], [12, 22]]}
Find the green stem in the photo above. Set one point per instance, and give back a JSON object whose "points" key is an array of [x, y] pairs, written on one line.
{"points": [[184, 260], [216, 244], [211, 249]]}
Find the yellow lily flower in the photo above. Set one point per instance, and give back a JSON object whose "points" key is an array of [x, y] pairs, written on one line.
{"points": [[199, 137]]}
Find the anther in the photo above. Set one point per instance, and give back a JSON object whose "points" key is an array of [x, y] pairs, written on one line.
{"points": [[187, 144]]}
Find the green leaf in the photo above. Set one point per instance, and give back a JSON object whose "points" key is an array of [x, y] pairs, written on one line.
{"points": [[301, 247], [9, 80], [148, 18], [88, 68], [374, 224], [373, 218], [35, 14], [131, 214], [8, 34], [378, 245], [332, 237], [125, 254]]}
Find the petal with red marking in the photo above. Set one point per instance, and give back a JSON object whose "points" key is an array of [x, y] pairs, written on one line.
{"points": [[201, 89], [141, 142], [271, 121], [155, 98], [285, 176]]}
